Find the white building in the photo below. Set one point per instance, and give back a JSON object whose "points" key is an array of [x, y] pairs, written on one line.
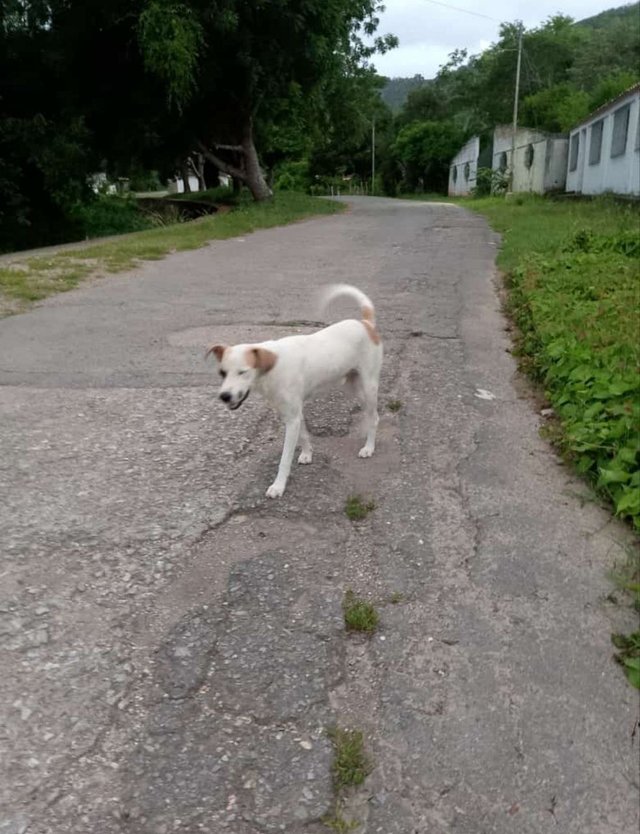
{"points": [[464, 168], [540, 161], [604, 149]]}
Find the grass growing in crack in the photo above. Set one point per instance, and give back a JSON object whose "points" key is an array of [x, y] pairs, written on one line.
{"points": [[358, 614], [356, 508], [351, 765], [394, 405], [336, 822], [396, 597]]}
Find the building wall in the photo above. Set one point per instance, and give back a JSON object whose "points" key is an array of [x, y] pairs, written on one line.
{"points": [[459, 185], [619, 174], [555, 173], [540, 159]]}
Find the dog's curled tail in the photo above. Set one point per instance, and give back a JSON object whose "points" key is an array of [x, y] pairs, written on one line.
{"points": [[334, 291]]}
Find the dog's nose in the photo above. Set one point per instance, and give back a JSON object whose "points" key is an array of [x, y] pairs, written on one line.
{"points": [[225, 397]]}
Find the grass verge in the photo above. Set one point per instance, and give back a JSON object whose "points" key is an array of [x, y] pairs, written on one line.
{"points": [[573, 275], [31, 280]]}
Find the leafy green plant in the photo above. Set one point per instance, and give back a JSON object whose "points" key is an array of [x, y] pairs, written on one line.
{"points": [[356, 508], [578, 318], [628, 655], [358, 614]]}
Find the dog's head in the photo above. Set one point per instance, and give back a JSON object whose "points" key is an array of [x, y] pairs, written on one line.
{"points": [[240, 366]]}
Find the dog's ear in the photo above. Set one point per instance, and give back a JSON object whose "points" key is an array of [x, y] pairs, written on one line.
{"points": [[218, 350], [263, 359]]}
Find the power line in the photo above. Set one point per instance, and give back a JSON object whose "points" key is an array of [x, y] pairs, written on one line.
{"points": [[458, 9]]}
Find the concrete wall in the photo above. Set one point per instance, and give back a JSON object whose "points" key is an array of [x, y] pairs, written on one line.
{"points": [[459, 184], [540, 159], [619, 174]]}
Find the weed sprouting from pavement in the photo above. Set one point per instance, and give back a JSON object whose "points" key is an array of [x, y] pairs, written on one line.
{"points": [[358, 614], [356, 508], [351, 766], [394, 405]]}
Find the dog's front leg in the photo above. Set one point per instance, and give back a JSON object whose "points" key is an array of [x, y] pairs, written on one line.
{"points": [[290, 441]]}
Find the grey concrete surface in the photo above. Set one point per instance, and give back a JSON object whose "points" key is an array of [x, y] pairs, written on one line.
{"points": [[172, 646]]}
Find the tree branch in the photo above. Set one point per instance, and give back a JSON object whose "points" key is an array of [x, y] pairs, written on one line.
{"points": [[225, 167], [238, 148]]}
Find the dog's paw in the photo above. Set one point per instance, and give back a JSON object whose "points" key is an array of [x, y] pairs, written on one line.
{"points": [[365, 452], [275, 491], [305, 457]]}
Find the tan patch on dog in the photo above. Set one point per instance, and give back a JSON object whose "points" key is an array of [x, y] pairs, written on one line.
{"points": [[372, 333], [261, 358], [368, 314], [218, 350]]}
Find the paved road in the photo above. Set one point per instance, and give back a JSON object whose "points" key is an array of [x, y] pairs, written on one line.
{"points": [[172, 642]]}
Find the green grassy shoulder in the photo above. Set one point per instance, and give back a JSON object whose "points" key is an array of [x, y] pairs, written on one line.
{"points": [[573, 273], [30, 280]]}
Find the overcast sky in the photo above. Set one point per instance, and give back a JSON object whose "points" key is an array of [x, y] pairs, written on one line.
{"points": [[428, 31]]}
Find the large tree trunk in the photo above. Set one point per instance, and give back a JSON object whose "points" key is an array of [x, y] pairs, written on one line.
{"points": [[254, 177], [248, 170], [184, 173], [197, 163]]}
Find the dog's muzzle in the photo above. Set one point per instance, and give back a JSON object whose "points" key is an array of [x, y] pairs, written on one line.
{"points": [[226, 398]]}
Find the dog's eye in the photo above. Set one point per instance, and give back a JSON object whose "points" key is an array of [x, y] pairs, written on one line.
{"points": [[241, 372], [223, 374]]}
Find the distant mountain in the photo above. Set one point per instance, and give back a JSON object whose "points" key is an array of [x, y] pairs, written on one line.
{"points": [[395, 91], [628, 14]]}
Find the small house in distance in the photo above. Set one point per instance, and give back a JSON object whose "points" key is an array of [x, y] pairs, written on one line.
{"points": [[540, 159], [464, 168], [604, 149]]}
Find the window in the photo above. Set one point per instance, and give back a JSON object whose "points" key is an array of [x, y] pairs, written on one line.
{"points": [[455, 174], [595, 148], [573, 151], [467, 171], [528, 156], [503, 161], [620, 130]]}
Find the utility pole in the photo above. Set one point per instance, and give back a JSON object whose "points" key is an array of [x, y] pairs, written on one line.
{"points": [[515, 109], [373, 153]]}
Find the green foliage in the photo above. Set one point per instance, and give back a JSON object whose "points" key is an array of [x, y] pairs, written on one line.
{"points": [[628, 655], [108, 214], [293, 176], [574, 297], [171, 39], [424, 150], [556, 108], [358, 614]]}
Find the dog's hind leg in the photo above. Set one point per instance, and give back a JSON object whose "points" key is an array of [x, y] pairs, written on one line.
{"points": [[290, 441], [370, 422], [306, 455]]}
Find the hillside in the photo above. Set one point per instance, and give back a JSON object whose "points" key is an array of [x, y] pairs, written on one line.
{"points": [[395, 91], [629, 14]]}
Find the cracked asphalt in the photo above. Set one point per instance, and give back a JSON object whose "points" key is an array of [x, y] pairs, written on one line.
{"points": [[172, 649]]}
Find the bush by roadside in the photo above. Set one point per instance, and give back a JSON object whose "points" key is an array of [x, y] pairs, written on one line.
{"points": [[573, 270]]}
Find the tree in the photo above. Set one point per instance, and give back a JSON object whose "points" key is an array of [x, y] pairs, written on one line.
{"points": [[227, 64], [424, 150]]}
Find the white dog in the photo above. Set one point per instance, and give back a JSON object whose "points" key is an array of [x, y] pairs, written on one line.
{"points": [[286, 371]]}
